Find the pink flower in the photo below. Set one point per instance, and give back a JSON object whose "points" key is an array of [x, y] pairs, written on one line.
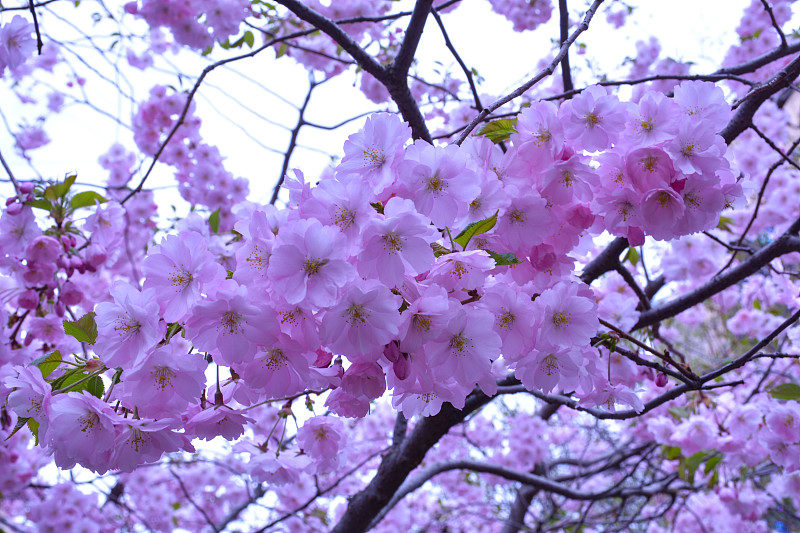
{"points": [[540, 135], [466, 349], [16, 43], [323, 439], [569, 315], [43, 249], [398, 245], [608, 395], [179, 270], [165, 383], [229, 326], [593, 118], [127, 328], [29, 395], [308, 263], [374, 153], [17, 231], [81, 430], [364, 380], [703, 102], [364, 320], [278, 369], [141, 442], [440, 182], [217, 422], [661, 209], [461, 270]]}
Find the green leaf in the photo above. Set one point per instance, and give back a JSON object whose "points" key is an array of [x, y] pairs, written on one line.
{"points": [[33, 425], [47, 363], [281, 50], [504, 259], [787, 391], [439, 250], [20, 424], [725, 223], [40, 204], [476, 228], [213, 221], [498, 130], [95, 387], [678, 412], [86, 199], [712, 463], [61, 189], [84, 329], [632, 256], [249, 38], [672, 452], [377, 206], [694, 463]]}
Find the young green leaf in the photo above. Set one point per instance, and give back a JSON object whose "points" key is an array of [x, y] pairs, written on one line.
{"points": [[86, 199], [499, 130], [476, 228], [84, 329], [786, 391]]}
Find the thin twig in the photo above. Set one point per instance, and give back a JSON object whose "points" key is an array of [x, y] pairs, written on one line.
{"points": [[547, 71]]}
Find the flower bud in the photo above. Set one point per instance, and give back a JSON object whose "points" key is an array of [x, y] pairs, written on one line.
{"points": [[14, 209], [661, 379], [402, 367], [70, 294], [26, 187], [60, 308], [28, 299], [95, 255]]}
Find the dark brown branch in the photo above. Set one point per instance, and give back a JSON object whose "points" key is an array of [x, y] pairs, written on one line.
{"points": [[293, 139], [395, 78], [39, 43], [408, 48], [605, 261], [749, 104], [566, 71], [781, 35], [467, 71], [786, 243], [400, 461]]}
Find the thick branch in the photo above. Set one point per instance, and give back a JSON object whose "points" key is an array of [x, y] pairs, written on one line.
{"points": [[758, 95], [330, 28], [365, 506], [408, 48], [786, 243]]}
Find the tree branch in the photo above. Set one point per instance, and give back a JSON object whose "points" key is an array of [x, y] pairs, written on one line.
{"points": [[786, 243], [547, 71]]}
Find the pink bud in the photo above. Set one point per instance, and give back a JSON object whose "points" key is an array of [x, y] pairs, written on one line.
{"points": [[392, 352], [94, 364], [70, 294], [26, 187], [323, 358], [65, 241], [28, 299], [95, 255], [14, 209], [10, 200], [661, 379], [402, 367], [60, 308], [132, 8]]}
